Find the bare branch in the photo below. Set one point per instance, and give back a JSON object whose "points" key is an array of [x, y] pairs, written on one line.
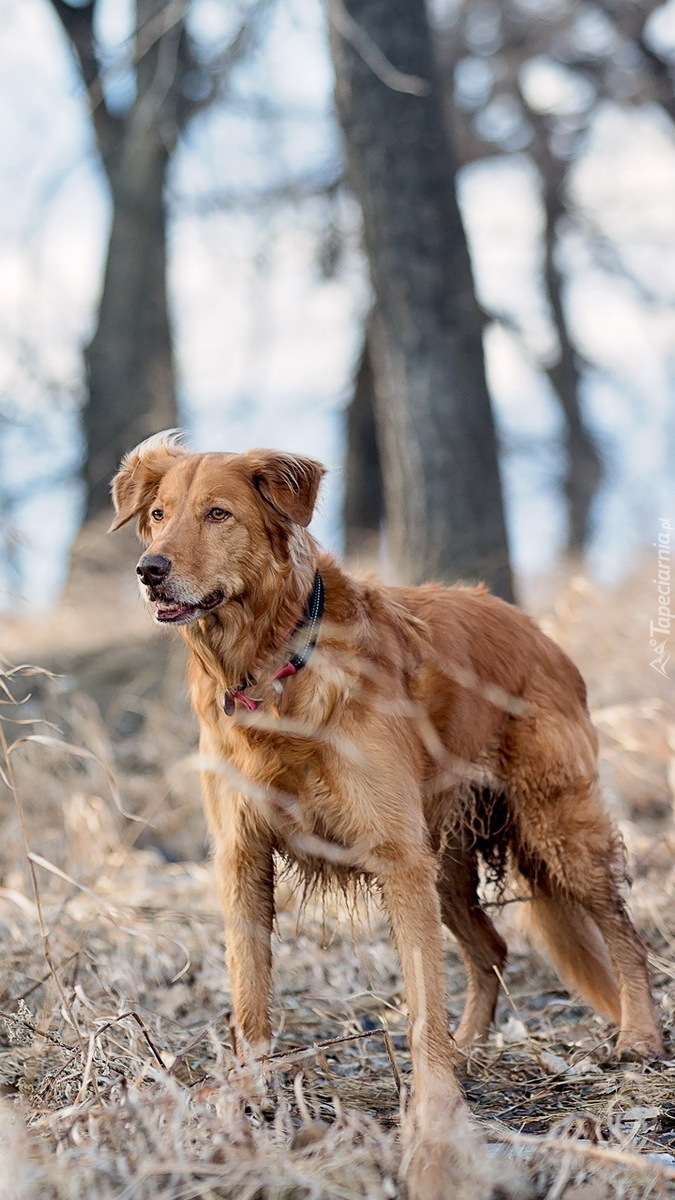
{"points": [[324, 182], [371, 54], [608, 256], [78, 25], [220, 68]]}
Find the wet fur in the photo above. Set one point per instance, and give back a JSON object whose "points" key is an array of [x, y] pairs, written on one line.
{"points": [[432, 727]]}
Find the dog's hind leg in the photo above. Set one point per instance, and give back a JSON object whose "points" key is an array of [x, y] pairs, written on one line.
{"points": [[573, 855], [481, 947]]}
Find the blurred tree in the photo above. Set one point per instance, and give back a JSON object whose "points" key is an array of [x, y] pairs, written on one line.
{"points": [[529, 78], [496, 114], [434, 421], [131, 389], [363, 503]]}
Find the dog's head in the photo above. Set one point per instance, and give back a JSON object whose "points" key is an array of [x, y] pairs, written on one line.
{"points": [[216, 526]]}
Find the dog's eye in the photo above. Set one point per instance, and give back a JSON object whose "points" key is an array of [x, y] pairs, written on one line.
{"points": [[157, 514], [219, 514]]}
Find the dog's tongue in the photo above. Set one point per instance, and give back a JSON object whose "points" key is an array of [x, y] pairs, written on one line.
{"points": [[173, 611]]}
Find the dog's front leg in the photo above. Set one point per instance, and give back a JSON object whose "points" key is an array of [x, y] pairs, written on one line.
{"points": [[246, 882], [441, 1157], [245, 871]]}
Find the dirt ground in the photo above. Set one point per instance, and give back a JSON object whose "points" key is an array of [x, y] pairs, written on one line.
{"points": [[117, 1076]]}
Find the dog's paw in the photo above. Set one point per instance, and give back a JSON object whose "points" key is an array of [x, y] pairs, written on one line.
{"points": [[450, 1158], [249, 1077], [640, 1047], [437, 1171]]}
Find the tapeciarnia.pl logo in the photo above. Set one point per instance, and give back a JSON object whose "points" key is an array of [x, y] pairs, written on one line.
{"points": [[659, 630]]}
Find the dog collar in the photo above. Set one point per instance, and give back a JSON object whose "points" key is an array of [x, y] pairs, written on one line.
{"points": [[309, 624]]}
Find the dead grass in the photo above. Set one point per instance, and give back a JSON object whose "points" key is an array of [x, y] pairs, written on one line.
{"points": [[117, 1077]]}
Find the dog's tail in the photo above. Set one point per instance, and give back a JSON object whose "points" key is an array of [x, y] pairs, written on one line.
{"points": [[570, 940]]}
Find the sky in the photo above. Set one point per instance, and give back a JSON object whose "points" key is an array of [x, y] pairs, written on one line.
{"points": [[266, 345]]}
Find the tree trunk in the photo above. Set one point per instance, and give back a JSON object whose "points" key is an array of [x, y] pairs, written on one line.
{"points": [[363, 505], [129, 360], [583, 464], [436, 433]]}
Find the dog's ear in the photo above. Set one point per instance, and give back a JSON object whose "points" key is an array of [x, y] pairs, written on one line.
{"points": [[140, 473], [289, 483]]}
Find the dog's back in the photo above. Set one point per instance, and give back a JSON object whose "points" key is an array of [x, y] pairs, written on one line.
{"points": [[488, 671]]}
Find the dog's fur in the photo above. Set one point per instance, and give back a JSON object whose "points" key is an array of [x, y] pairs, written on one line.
{"points": [[431, 728]]}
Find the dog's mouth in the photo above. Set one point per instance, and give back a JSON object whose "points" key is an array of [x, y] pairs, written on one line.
{"points": [[180, 612]]}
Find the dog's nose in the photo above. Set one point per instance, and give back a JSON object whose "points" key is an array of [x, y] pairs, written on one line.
{"points": [[153, 568]]}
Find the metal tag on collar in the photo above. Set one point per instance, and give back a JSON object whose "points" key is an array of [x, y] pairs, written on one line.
{"points": [[230, 702]]}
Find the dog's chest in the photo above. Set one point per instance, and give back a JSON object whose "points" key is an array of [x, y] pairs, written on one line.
{"points": [[323, 812], [303, 790], [322, 842]]}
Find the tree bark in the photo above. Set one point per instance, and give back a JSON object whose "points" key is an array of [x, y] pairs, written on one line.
{"points": [[129, 361], [436, 432]]}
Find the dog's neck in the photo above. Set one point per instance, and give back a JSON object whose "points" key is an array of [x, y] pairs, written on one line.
{"points": [[250, 634]]}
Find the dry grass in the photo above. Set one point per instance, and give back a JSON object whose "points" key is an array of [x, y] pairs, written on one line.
{"points": [[117, 1077]]}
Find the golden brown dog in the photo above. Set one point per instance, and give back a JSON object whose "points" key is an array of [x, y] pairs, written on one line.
{"points": [[428, 728]]}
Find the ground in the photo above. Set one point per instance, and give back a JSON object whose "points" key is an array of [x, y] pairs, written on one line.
{"points": [[117, 1077]]}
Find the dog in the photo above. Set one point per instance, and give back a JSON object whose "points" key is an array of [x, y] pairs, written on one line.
{"points": [[401, 734]]}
